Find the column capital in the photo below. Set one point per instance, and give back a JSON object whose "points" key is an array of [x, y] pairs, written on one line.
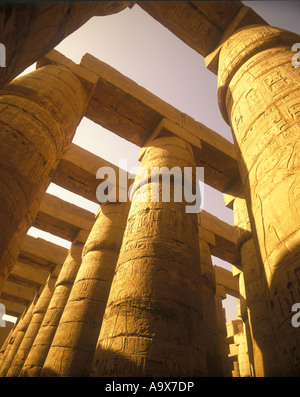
{"points": [[243, 45]]}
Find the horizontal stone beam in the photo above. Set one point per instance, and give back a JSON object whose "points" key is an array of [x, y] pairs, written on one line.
{"points": [[132, 112], [42, 253], [226, 279], [77, 172], [203, 25], [199, 24], [62, 218], [13, 307], [220, 237]]}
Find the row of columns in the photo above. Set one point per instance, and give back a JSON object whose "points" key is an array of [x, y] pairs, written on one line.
{"points": [[161, 304], [258, 94], [147, 294], [154, 320], [39, 114]]}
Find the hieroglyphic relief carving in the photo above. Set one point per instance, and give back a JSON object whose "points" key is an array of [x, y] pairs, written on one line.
{"points": [[267, 147], [153, 316], [73, 345]]}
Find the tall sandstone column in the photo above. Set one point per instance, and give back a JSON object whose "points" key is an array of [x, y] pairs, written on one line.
{"points": [[212, 344], [153, 322], [39, 113], [39, 350], [256, 295], [72, 349], [259, 91], [16, 339], [222, 334], [38, 313]]}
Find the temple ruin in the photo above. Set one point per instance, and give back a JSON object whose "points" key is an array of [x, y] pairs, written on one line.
{"points": [[137, 293]]}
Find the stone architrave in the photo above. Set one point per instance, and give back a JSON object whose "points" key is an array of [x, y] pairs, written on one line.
{"points": [[258, 93], [39, 114], [39, 350], [153, 322], [72, 349]]}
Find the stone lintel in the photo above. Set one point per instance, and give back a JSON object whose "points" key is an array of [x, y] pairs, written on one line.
{"points": [[132, 112], [77, 172], [44, 250], [62, 218], [226, 279], [233, 192], [199, 24]]}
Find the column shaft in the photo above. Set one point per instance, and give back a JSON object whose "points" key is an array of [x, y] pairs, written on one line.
{"points": [[212, 345], [254, 285], [73, 346], [259, 92], [222, 335], [33, 327], [39, 113], [39, 350], [153, 322], [16, 339]]}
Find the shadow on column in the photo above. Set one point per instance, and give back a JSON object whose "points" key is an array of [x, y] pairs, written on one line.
{"points": [[274, 333]]}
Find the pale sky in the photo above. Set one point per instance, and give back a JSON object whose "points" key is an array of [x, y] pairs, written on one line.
{"points": [[142, 49]]}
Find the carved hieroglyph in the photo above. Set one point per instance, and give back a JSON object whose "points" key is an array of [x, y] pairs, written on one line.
{"points": [[259, 93], [39, 113], [153, 322], [73, 346], [38, 352]]}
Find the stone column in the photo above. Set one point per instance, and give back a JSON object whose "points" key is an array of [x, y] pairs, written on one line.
{"points": [[16, 339], [222, 331], [258, 91], [238, 347], [36, 36], [39, 350], [153, 322], [212, 344], [255, 289], [38, 313], [245, 358], [73, 346], [7, 340], [39, 114]]}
